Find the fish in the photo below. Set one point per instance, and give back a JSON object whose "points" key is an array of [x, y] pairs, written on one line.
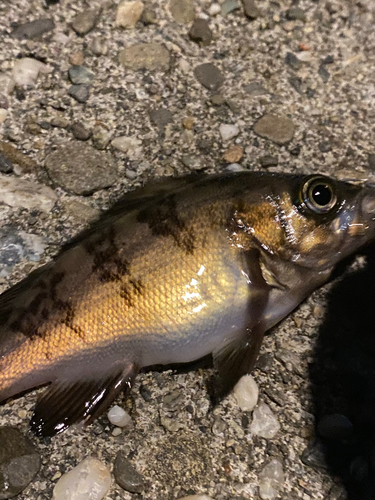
{"points": [[177, 270]]}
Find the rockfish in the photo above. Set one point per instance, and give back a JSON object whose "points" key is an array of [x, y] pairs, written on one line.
{"points": [[172, 273]]}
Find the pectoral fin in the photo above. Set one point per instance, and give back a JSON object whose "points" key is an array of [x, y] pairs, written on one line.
{"points": [[65, 403]]}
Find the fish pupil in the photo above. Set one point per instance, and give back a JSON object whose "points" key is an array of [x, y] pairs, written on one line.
{"points": [[322, 195]]}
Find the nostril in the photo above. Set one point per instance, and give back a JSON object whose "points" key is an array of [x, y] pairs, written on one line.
{"points": [[368, 204]]}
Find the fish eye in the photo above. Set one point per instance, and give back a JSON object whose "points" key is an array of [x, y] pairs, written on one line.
{"points": [[318, 194]]}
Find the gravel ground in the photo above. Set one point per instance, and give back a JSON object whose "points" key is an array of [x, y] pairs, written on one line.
{"points": [[307, 68]]}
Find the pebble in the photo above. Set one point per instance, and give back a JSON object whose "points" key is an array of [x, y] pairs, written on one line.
{"points": [[161, 117], [188, 123], [277, 395], [314, 455], [278, 129], [59, 122], [129, 13], [26, 71], [255, 89], [150, 56], [99, 46], [335, 426], [371, 161], [81, 169], [246, 393], [209, 76], [264, 423], [16, 156], [228, 131], [214, 9], [295, 14], [86, 21], [118, 416], [17, 193], [196, 497], [293, 61], [182, 11], [80, 212], [101, 136], [76, 58], [33, 29], [6, 166], [80, 132], [290, 360], [235, 167], [7, 84], [200, 32], [132, 146], [125, 474], [16, 246], [148, 16], [324, 73], [250, 9], [269, 161], [89, 480], [229, 6], [271, 480], [80, 75], [19, 462], [233, 154], [194, 162], [80, 93]]}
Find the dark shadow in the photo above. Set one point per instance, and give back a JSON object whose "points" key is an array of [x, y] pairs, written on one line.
{"points": [[343, 379]]}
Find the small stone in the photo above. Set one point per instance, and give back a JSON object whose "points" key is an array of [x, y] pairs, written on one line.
{"points": [[26, 71], [200, 32], [265, 362], [118, 416], [150, 56], [229, 6], [295, 14], [290, 360], [80, 132], [7, 84], [18, 245], [19, 462], [328, 60], [148, 17], [276, 395], [235, 167], [250, 8], [6, 166], [278, 129], [371, 161], [246, 393], [182, 11], [80, 169], [188, 123], [161, 117], [125, 474], [209, 76], [233, 154], [314, 455], [16, 156], [3, 115], [89, 480], [255, 89], [131, 146], [323, 73], [80, 93], [269, 161], [194, 162], [99, 47], [214, 9], [197, 497], [335, 426], [271, 480], [264, 423], [116, 432], [228, 131], [76, 58], [217, 100], [17, 192], [292, 61], [145, 393], [33, 29], [80, 212], [101, 136], [170, 424], [80, 75], [86, 21], [129, 13], [60, 122]]}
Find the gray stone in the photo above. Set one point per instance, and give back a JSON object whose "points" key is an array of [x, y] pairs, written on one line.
{"points": [[250, 9], [335, 426], [295, 14], [17, 245], [150, 56], [371, 161], [80, 132], [101, 136], [125, 474], [194, 162], [80, 169], [79, 92], [182, 11], [323, 73], [200, 32], [209, 76], [33, 29], [293, 61], [99, 46], [229, 6], [278, 129], [19, 462], [80, 75], [86, 21], [6, 166], [290, 360], [255, 88], [161, 117], [269, 161]]}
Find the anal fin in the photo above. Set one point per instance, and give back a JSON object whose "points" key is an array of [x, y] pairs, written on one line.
{"points": [[65, 403]]}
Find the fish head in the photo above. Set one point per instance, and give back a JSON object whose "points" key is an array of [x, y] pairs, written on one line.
{"points": [[313, 221]]}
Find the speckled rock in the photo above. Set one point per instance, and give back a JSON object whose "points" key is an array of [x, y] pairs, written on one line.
{"points": [[126, 475], [151, 56], [17, 192], [33, 29], [264, 423], [19, 462], [80, 93], [200, 32], [251, 9], [182, 11], [161, 117], [86, 21], [18, 245], [80, 132], [128, 13], [271, 480], [209, 76], [80, 169], [278, 129], [80, 75]]}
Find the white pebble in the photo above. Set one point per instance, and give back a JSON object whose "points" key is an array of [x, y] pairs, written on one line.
{"points": [[246, 393], [228, 131], [214, 9], [118, 416], [304, 56], [271, 480], [128, 13], [130, 145], [235, 167], [7, 84], [89, 480], [17, 192], [184, 65], [26, 71], [264, 423]]}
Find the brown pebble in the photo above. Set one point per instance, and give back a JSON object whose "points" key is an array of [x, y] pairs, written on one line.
{"points": [[188, 123], [233, 154], [76, 58]]}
